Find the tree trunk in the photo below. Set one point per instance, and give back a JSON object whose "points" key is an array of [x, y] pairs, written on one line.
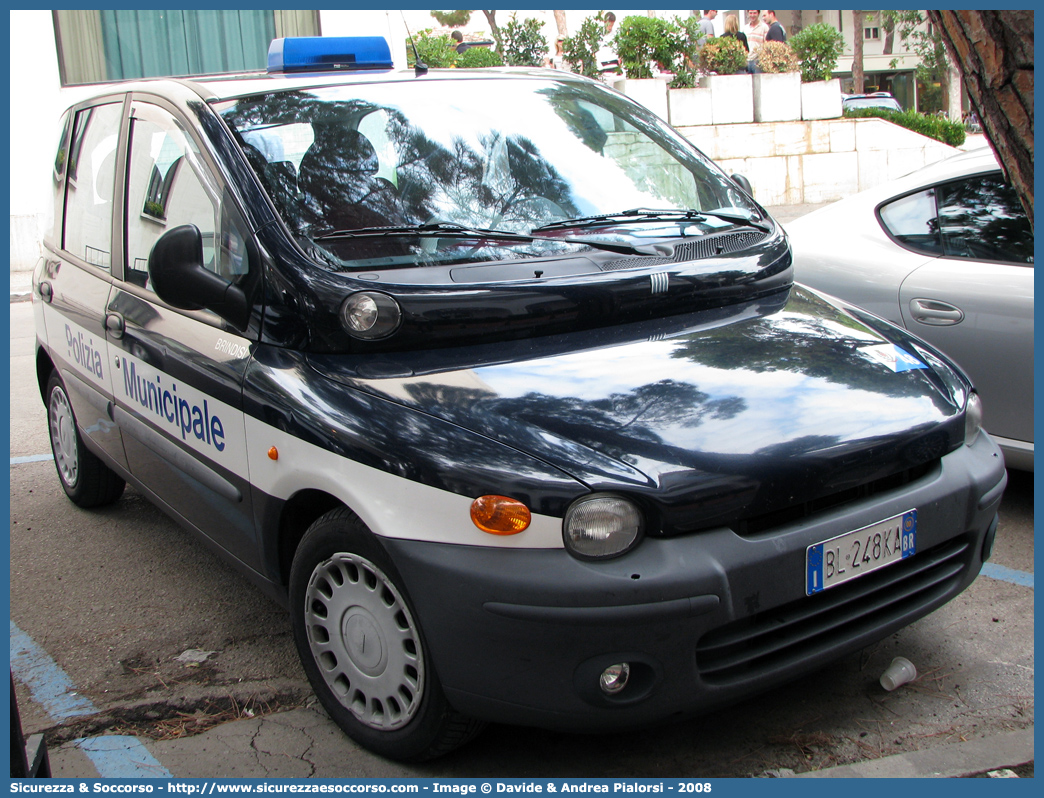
{"points": [[560, 21], [491, 18], [994, 52], [857, 52]]}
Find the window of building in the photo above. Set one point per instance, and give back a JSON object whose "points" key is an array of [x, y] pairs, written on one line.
{"points": [[90, 184], [871, 33], [98, 46]]}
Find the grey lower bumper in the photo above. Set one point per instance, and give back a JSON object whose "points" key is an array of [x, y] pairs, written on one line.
{"points": [[521, 636]]}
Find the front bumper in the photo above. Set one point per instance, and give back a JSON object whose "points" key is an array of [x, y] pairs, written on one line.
{"points": [[521, 636]]}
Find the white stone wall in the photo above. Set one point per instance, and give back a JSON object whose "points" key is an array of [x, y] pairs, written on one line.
{"points": [[789, 163]]}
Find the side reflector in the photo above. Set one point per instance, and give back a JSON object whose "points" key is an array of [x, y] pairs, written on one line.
{"points": [[499, 515], [273, 453], [329, 53]]}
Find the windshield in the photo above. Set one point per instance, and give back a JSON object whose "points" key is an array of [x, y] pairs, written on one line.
{"points": [[511, 154]]}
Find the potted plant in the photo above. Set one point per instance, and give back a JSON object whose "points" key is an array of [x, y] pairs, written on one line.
{"points": [[645, 43], [777, 87], [819, 46], [732, 92], [689, 104]]}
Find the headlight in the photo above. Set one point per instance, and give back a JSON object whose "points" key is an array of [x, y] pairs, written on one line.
{"points": [[972, 418], [600, 526], [369, 315]]}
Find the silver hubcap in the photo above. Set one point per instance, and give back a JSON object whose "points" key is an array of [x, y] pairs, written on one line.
{"points": [[364, 641], [63, 437]]}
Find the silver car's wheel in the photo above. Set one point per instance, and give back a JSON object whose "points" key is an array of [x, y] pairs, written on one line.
{"points": [[364, 641], [63, 437]]}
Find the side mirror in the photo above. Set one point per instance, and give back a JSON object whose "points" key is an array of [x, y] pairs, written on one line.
{"points": [[179, 279], [743, 183]]}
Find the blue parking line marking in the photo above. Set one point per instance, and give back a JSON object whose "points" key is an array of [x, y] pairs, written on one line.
{"points": [[113, 756], [120, 757], [50, 686], [33, 458], [994, 571]]}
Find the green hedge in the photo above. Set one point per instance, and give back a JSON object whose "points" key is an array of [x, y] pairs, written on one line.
{"points": [[935, 127]]}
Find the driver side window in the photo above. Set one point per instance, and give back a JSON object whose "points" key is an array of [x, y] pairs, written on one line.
{"points": [[168, 186]]}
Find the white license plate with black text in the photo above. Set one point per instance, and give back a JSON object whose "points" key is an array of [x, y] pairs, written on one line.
{"points": [[863, 551]]}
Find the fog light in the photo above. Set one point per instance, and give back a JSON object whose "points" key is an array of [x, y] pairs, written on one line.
{"points": [[614, 678], [369, 315]]}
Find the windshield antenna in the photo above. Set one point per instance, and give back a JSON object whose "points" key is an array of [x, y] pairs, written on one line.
{"points": [[418, 65]]}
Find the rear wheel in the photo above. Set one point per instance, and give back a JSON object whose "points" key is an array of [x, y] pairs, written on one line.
{"points": [[362, 648], [85, 478]]}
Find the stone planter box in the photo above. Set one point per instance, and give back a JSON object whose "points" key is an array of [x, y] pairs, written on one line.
{"points": [[732, 98], [650, 92], [689, 107], [777, 97], [821, 99]]}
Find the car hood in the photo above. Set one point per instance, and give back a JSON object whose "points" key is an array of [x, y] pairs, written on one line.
{"points": [[710, 418]]}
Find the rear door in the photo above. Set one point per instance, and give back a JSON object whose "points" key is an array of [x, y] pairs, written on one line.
{"points": [[975, 301], [178, 379], [76, 279]]}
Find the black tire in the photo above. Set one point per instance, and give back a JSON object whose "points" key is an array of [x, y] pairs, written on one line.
{"points": [[362, 648], [85, 478]]}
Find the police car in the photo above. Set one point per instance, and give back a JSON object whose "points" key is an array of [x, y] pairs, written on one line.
{"points": [[500, 386]]}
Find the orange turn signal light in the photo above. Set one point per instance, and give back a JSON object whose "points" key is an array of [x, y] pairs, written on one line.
{"points": [[499, 515], [273, 453]]}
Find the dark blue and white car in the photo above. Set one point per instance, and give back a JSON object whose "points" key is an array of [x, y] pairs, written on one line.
{"points": [[502, 387]]}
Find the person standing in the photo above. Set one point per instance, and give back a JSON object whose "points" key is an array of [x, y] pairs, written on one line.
{"points": [[756, 30], [608, 60], [707, 24], [732, 30], [776, 33]]}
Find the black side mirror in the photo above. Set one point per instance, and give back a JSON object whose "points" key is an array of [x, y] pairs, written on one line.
{"points": [[743, 183], [179, 279]]}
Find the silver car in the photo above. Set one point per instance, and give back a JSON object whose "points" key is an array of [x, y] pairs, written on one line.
{"points": [[946, 252]]}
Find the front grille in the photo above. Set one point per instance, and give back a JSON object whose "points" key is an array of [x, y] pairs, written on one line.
{"points": [[799, 631], [694, 249], [748, 527]]}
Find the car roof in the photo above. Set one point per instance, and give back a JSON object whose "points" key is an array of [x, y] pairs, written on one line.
{"points": [[215, 88]]}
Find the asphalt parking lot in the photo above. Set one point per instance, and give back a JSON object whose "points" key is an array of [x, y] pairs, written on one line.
{"points": [[173, 659]]}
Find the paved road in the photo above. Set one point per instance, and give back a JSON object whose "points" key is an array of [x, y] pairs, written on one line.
{"points": [[111, 598]]}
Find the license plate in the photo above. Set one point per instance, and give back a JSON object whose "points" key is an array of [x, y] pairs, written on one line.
{"points": [[854, 554]]}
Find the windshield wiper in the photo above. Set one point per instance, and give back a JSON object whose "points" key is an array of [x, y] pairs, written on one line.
{"points": [[626, 217], [638, 215], [739, 216], [446, 230]]}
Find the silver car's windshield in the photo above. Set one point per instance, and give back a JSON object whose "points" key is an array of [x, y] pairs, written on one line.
{"points": [[510, 154]]}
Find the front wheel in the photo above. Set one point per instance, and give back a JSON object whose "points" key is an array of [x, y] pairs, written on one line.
{"points": [[362, 648], [85, 478]]}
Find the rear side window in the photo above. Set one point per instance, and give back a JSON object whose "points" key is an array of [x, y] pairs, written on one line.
{"points": [[91, 166], [977, 218], [168, 186], [982, 219]]}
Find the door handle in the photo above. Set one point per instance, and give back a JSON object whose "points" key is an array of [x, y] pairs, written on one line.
{"points": [[114, 325], [46, 292], [935, 313]]}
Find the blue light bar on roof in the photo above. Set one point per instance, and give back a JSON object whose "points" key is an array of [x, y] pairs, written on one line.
{"points": [[329, 53]]}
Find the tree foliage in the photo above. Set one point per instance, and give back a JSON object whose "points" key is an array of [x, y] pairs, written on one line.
{"points": [[478, 58], [452, 19], [581, 49], [434, 51], [644, 41], [522, 43], [723, 55], [818, 46]]}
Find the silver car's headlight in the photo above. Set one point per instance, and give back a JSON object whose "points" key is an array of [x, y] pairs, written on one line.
{"points": [[972, 418], [601, 525]]}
